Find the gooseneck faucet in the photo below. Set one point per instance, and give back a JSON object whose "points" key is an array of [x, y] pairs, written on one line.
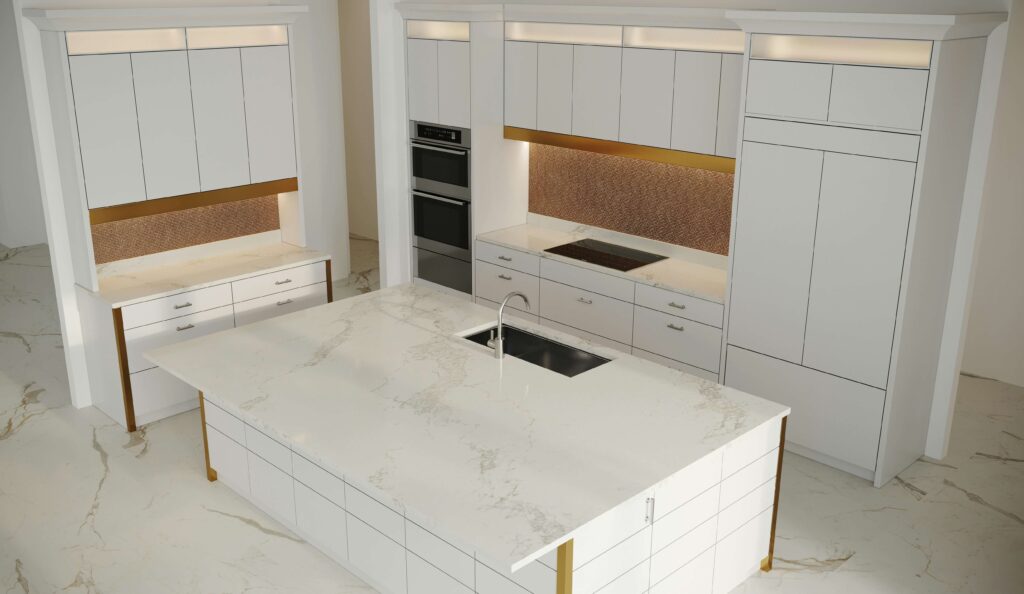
{"points": [[499, 339]]}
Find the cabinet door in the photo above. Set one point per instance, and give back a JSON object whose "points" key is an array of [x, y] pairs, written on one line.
{"points": [[521, 84], [424, 578], [108, 130], [321, 521], [858, 263], [421, 64], [453, 83], [554, 87], [695, 103], [729, 105], [789, 89], [378, 557], [267, 79], [272, 490], [166, 129], [219, 117], [595, 99], [230, 460], [771, 269], [646, 89]]}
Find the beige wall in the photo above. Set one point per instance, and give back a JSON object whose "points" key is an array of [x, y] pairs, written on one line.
{"points": [[994, 345], [357, 94]]}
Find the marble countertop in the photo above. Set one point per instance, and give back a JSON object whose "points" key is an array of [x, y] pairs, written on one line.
{"points": [[151, 277], [505, 458], [674, 273]]}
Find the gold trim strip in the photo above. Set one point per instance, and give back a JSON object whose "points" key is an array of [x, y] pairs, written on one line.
{"points": [[211, 474], [330, 282], [132, 210], [563, 579], [122, 365], [623, 149], [769, 561]]}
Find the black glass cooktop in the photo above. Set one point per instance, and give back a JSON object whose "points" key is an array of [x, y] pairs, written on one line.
{"points": [[605, 254]]}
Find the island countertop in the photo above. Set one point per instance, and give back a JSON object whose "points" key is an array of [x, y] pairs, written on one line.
{"points": [[501, 455]]}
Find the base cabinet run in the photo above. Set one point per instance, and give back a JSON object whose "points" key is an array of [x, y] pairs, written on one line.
{"points": [[703, 530]]}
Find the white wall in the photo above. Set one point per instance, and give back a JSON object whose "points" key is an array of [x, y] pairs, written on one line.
{"points": [[994, 345], [21, 208], [360, 165]]}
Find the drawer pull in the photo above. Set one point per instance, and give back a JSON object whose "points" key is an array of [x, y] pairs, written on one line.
{"points": [[585, 300], [283, 282], [504, 277], [505, 258], [676, 305], [285, 302], [183, 305], [188, 327], [676, 328]]}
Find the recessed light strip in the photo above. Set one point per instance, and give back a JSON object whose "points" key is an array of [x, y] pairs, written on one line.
{"points": [[704, 40], [904, 53], [564, 33], [440, 30], [215, 37], [125, 40]]}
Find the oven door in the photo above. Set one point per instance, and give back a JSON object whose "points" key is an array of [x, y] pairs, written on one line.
{"points": [[440, 170], [440, 219]]}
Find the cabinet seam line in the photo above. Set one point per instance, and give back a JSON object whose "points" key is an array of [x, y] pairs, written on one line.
{"points": [[138, 126], [245, 116], [195, 131], [814, 241]]}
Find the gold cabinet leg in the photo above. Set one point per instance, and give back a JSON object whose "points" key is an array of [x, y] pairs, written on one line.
{"points": [[211, 474], [564, 576], [766, 563]]}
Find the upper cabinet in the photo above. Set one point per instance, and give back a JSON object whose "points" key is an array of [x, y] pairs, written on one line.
{"points": [[267, 84], [646, 111], [217, 96], [438, 82], [696, 92], [554, 87], [596, 75]]}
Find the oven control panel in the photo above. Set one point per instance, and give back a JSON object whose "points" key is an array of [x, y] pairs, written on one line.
{"points": [[439, 133]]}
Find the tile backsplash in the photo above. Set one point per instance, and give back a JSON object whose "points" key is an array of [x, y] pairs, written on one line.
{"points": [[670, 203]]}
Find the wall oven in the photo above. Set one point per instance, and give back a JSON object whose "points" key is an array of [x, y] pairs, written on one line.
{"points": [[440, 160]]}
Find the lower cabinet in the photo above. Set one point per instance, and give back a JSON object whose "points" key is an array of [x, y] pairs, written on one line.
{"points": [[376, 556], [160, 395], [230, 459], [272, 490], [424, 578], [322, 522]]}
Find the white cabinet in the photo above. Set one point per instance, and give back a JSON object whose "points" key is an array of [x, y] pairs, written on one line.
{"points": [[855, 282], [494, 283], [108, 129], [378, 557], [789, 89], [272, 490], [595, 99], [520, 84], [646, 111], [219, 117], [267, 83], [554, 87], [587, 311], [163, 98], [421, 65], [740, 553], [874, 96], [279, 304], [729, 105], [230, 459], [677, 338], [453, 90], [322, 522], [774, 244], [695, 103], [424, 578]]}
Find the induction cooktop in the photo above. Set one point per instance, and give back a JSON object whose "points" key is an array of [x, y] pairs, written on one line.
{"points": [[605, 254]]}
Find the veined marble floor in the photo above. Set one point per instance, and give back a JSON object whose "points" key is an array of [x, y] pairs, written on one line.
{"points": [[86, 508]]}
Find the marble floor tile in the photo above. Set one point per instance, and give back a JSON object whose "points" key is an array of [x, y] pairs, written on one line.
{"points": [[86, 508]]}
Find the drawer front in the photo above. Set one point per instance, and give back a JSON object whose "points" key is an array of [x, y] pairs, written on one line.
{"points": [[146, 338], [739, 554], [321, 522], [227, 423], [682, 520], [175, 306], [693, 578], [683, 550], [586, 310], [590, 280], [634, 581], [670, 302], [276, 282], [157, 394], [874, 96], [375, 513], [588, 336], [230, 459], [746, 508], [692, 343], [494, 283], [749, 478], [273, 490], [269, 449], [751, 446], [508, 258], [596, 538], [686, 484], [279, 304], [318, 479], [604, 569], [701, 373], [439, 553], [378, 557], [489, 581], [788, 89], [424, 578]]}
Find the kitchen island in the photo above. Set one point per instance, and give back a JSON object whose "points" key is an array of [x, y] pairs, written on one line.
{"points": [[424, 464]]}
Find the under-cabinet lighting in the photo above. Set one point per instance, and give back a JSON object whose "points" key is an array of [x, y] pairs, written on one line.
{"points": [[124, 40], [702, 40], [441, 30], [907, 53], [214, 37], [564, 33]]}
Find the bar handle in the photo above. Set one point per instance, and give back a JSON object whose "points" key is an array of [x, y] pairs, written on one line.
{"points": [[183, 305]]}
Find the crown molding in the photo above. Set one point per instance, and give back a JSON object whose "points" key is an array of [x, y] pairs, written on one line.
{"points": [[637, 16], [88, 19], [935, 27]]}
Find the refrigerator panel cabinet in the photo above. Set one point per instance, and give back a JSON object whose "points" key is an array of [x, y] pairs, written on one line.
{"points": [[789, 89], [219, 108], [646, 89], [695, 104], [521, 84], [872, 96], [595, 99], [554, 87], [267, 82], [453, 83], [422, 84]]}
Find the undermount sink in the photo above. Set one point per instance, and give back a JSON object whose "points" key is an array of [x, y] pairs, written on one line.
{"points": [[546, 353]]}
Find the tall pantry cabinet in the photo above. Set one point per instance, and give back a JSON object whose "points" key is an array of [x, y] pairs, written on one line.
{"points": [[851, 175]]}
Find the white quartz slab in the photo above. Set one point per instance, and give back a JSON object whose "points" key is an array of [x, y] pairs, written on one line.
{"points": [[504, 458], [675, 273]]}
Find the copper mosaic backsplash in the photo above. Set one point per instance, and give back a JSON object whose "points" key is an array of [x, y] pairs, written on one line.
{"points": [[670, 203], [141, 236]]}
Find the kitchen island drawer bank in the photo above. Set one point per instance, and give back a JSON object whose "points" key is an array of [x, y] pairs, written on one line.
{"points": [[460, 526]]}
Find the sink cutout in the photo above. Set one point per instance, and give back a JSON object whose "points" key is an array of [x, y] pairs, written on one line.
{"points": [[543, 352]]}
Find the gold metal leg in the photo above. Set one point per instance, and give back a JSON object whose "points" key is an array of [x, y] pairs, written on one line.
{"points": [[564, 575], [211, 474], [766, 563]]}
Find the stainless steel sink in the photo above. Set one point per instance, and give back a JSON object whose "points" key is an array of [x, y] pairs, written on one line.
{"points": [[546, 353]]}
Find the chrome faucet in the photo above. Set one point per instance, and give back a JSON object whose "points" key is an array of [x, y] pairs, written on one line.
{"points": [[499, 339]]}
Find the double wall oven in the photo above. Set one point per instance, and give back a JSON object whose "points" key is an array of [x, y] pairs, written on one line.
{"points": [[441, 205]]}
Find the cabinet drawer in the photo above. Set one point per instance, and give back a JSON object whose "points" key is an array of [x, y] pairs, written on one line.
{"points": [[749, 478], [634, 581], [230, 459], [508, 258], [590, 280], [683, 550], [276, 282], [272, 490], [874, 96], [269, 449], [693, 578], [494, 283], [279, 304], [612, 563], [687, 484], [739, 554], [670, 302], [321, 522], [439, 553], [789, 89], [318, 479], [379, 558], [375, 513], [692, 343], [680, 521], [746, 508], [424, 578], [157, 394], [175, 306], [587, 311], [225, 422], [146, 338], [751, 446]]}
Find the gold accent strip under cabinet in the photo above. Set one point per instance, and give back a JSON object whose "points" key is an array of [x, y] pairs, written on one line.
{"points": [[623, 149], [122, 366], [132, 210], [768, 562], [563, 579]]}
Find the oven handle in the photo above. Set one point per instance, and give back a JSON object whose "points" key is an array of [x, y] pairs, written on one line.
{"points": [[439, 199], [430, 147]]}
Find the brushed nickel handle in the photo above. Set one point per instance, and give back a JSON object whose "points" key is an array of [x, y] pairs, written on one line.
{"points": [[650, 510], [505, 258], [585, 300], [504, 277], [183, 305], [188, 327], [285, 302], [284, 282], [676, 328], [676, 305]]}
